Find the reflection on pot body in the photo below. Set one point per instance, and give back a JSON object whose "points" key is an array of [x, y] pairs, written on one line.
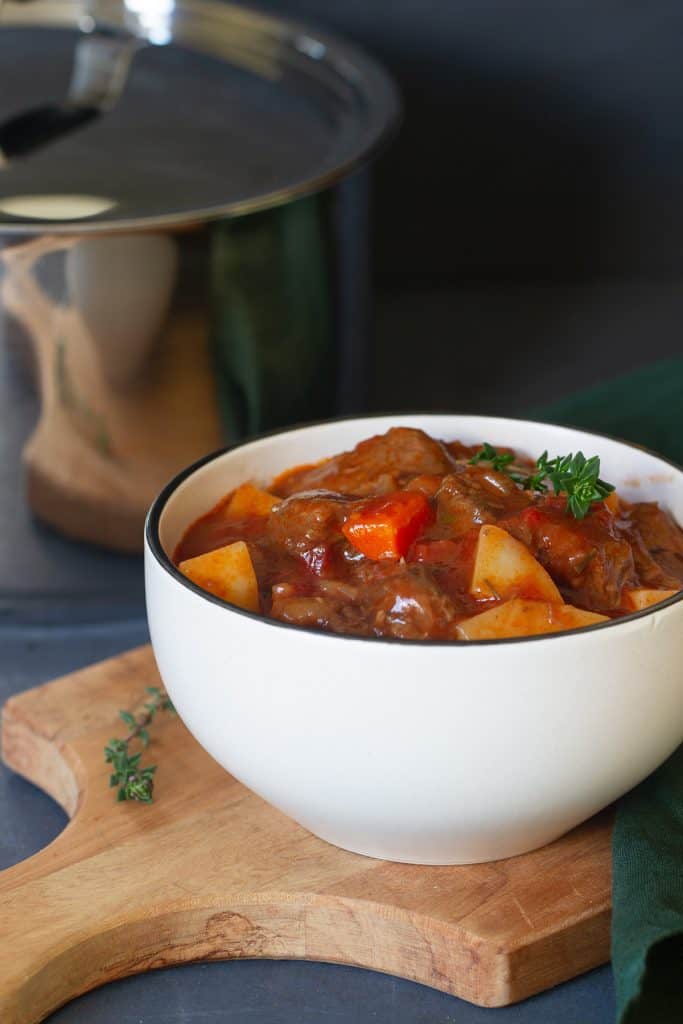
{"points": [[126, 388], [122, 288]]}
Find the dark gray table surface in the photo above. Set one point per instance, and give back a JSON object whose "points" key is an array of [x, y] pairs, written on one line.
{"points": [[63, 606]]}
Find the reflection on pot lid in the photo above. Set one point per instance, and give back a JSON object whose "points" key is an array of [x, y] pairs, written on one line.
{"points": [[214, 110]]}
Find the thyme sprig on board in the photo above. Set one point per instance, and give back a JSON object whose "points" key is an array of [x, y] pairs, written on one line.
{"points": [[573, 475], [134, 781]]}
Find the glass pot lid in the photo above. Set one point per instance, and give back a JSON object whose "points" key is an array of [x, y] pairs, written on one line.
{"points": [[149, 112]]}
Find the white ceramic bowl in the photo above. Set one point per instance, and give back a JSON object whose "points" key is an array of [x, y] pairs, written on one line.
{"points": [[424, 752]]}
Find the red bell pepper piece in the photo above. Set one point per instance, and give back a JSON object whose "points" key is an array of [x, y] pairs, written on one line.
{"points": [[386, 527]]}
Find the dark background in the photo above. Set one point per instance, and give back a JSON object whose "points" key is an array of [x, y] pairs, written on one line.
{"points": [[528, 222], [541, 140]]}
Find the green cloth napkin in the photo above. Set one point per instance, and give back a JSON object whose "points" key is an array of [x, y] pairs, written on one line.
{"points": [[647, 847], [645, 407]]}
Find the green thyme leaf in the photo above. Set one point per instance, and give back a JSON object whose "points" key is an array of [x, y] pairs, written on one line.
{"points": [[578, 478], [498, 461], [133, 781]]}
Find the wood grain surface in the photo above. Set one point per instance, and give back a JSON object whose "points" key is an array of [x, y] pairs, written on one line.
{"points": [[209, 871]]}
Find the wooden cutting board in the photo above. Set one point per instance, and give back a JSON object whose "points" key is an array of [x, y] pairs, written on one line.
{"points": [[211, 872]]}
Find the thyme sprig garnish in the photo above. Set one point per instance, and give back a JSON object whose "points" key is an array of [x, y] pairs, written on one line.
{"points": [[573, 475], [578, 478], [536, 481], [497, 460], [135, 782]]}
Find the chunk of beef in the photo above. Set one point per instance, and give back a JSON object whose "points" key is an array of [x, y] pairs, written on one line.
{"points": [[303, 610], [657, 545], [451, 562], [588, 559], [427, 484], [408, 604], [462, 452], [474, 496], [308, 525], [381, 464], [326, 604]]}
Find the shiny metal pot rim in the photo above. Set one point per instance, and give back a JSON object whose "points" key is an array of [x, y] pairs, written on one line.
{"points": [[341, 73]]}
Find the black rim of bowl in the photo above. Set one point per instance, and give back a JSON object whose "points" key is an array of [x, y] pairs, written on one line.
{"points": [[158, 505]]}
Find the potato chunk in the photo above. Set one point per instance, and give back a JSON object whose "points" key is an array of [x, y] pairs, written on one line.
{"points": [[227, 572], [505, 568], [249, 500], [525, 618], [636, 600]]}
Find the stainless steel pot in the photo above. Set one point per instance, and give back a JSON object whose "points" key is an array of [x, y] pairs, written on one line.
{"points": [[183, 238]]}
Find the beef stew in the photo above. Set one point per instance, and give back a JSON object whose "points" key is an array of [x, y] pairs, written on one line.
{"points": [[410, 537]]}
